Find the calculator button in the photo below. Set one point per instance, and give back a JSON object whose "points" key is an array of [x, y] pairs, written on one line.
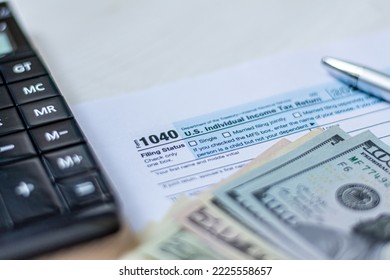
{"points": [[45, 111], [15, 146], [56, 135], [32, 90], [27, 192], [82, 190], [10, 121], [69, 161], [22, 69], [5, 99]]}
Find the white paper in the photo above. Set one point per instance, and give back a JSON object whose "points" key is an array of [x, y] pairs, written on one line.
{"points": [[180, 138]]}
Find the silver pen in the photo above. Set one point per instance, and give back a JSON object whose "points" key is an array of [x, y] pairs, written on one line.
{"points": [[361, 77]]}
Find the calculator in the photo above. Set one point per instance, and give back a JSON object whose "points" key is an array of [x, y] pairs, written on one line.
{"points": [[53, 192]]}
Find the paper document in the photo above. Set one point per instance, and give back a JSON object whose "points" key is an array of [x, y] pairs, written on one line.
{"points": [[181, 138]]}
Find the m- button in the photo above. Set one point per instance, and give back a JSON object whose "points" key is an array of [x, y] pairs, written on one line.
{"points": [[45, 111], [55, 135]]}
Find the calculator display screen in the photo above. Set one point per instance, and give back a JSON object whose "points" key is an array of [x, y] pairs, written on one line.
{"points": [[5, 43]]}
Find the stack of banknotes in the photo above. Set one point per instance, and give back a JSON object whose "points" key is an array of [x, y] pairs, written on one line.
{"points": [[323, 196]]}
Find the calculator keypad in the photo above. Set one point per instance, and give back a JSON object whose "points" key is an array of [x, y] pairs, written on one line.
{"points": [[47, 169], [40, 144]]}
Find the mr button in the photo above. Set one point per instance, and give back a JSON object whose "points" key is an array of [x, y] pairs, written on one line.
{"points": [[44, 111]]}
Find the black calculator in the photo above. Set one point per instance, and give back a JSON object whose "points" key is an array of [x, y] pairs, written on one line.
{"points": [[53, 192]]}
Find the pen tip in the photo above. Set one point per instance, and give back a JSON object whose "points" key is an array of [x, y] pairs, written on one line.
{"points": [[341, 65], [327, 60], [342, 70]]}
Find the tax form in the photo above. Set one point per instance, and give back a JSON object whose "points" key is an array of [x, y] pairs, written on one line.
{"points": [[181, 138]]}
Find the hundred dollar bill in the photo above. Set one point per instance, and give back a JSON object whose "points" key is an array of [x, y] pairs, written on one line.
{"points": [[226, 190], [272, 152], [231, 240], [338, 205], [229, 198], [281, 147], [223, 233]]}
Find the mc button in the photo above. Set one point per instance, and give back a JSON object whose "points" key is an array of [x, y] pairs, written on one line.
{"points": [[45, 111], [33, 90]]}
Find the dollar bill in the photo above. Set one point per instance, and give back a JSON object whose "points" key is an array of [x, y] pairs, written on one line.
{"points": [[219, 230], [226, 191], [277, 149], [337, 204], [229, 195]]}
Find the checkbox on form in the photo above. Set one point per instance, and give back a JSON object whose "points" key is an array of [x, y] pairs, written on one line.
{"points": [[226, 134], [297, 115], [192, 143]]}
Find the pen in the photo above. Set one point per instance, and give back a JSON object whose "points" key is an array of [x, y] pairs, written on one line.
{"points": [[361, 77]]}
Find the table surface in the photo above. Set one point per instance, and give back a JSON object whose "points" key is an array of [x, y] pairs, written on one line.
{"points": [[96, 49]]}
